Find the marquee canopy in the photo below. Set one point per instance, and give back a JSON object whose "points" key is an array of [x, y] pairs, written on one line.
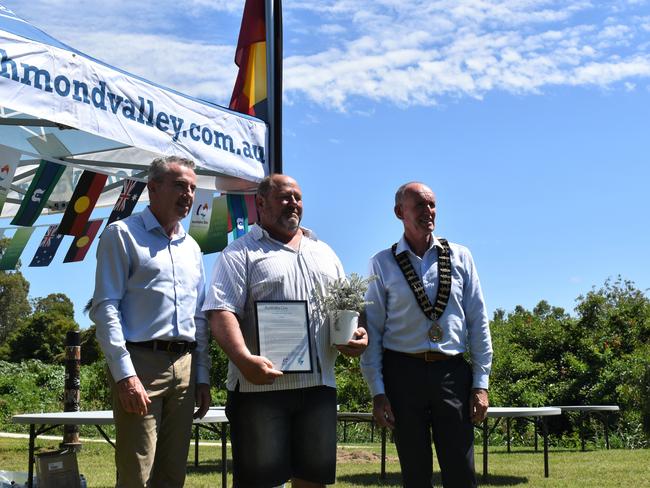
{"points": [[58, 104]]}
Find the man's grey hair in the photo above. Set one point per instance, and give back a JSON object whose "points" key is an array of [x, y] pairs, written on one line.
{"points": [[401, 191], [160, 166], [267, 185]]}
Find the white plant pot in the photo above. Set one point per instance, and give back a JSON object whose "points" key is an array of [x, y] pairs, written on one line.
{"points": [[343, 323]]}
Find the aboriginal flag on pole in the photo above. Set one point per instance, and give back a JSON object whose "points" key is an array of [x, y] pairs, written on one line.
{"points": [[46, 177], [47, 248], [250, 93], [81, 204], [131, 191], [81, 244]]}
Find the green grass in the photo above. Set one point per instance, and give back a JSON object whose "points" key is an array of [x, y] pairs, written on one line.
{"points": [[359, 466]]}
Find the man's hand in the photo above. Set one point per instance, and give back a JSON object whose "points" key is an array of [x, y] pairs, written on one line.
{"points": [[382, 411], [203, 400], [356, 345], [133, 396], [258, 370], [478, 405]]}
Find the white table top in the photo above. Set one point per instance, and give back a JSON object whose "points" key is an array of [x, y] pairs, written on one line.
{"points": [[590, 408], [522, 411], [492, 412], [100, 417]]}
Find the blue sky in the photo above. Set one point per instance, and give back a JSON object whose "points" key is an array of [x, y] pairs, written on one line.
{"points": [[528, 119]]}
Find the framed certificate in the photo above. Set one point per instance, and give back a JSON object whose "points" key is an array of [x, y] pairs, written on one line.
{"points": [[283, 334]]}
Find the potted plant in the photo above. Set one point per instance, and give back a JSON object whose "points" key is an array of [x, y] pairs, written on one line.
{"points": [[343, 301]]}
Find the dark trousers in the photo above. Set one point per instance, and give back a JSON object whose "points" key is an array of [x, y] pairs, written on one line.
{"points": [[430, 400]]}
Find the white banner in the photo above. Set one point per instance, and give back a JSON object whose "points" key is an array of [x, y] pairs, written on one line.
{"points": [[68, 88]]}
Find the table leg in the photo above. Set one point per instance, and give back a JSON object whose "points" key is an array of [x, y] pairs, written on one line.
{"points": [[224, 457], [383, 453], [535, 429], [606, 423], [581, 427], [508, 433], [486, 433], [545, 434], [196, 446], [30, 467], [345, 431]]}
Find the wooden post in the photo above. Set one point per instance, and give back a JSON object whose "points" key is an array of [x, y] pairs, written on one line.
{"points": [[72, 382]]}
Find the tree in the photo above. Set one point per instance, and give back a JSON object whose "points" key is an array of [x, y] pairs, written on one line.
{"points": [[601, 356], [42, 337], [90, 350], [14, 304], [55, 303]]}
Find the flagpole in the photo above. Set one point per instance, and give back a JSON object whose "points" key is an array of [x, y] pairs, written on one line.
{"points": [[274, 81]]}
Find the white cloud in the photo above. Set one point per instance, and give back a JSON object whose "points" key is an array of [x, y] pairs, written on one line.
{"points": [[520, 46], [390, 51]]}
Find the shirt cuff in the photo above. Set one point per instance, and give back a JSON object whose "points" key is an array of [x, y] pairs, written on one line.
{"points": [[377, 388], [481, 380], [202, 375], [122, 368]]}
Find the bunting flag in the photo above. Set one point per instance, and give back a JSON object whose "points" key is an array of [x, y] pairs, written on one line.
{"points": [[131, 191], [38, 192], [9, 159], [82, 203], [251, 209], [15, 249], [81, 244], [249, 95], [238, 215], [47, 248], [218, 234]]}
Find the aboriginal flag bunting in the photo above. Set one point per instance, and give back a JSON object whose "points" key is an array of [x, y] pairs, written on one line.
{"points": [[82, 203], [131, 191], [47, 248], [250, 93], [81, 244]]}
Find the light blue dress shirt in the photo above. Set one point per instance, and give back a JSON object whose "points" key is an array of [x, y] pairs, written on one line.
{"points": [[148, 286], [395, 320]]}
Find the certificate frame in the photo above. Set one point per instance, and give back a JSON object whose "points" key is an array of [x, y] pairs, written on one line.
{"points": [[290, 354]]}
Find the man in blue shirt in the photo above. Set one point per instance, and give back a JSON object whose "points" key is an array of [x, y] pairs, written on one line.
{"points": [[427, 310], [149, 289]]}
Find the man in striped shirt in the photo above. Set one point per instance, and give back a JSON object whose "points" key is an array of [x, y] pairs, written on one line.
{"points": [[283, 426]]}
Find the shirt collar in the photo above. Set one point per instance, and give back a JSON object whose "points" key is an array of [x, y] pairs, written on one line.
{"points": [[403, 245], [257, 232], [151, 222]]}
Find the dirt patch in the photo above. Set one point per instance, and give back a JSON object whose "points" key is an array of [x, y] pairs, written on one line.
{"points": [[359, 456]]}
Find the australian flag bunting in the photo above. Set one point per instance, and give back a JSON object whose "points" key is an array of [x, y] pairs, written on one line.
{"points": [[47, 248], [131, 191]]}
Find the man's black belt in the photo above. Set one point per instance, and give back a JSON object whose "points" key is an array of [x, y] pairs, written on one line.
{"points": [[428, 356], [177, 347]]}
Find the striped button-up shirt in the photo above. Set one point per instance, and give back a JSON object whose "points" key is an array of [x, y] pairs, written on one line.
{"points": [[257, 267]]}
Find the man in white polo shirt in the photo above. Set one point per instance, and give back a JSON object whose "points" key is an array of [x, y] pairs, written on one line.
{"points": [[283, 426]]}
